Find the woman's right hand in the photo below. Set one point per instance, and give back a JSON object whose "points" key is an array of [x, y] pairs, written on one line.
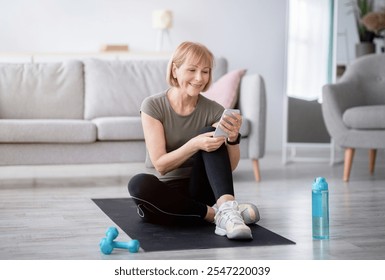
{"points": [[207, 142]]}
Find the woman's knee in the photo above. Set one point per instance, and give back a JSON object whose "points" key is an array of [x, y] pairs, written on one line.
{"points": [[206, 129], [137, 184]]}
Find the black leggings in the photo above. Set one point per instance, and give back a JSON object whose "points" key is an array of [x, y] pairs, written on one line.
{"points": [[184, 200]]}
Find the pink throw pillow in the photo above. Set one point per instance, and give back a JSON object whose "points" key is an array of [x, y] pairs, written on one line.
{"points": [[225, 90]]}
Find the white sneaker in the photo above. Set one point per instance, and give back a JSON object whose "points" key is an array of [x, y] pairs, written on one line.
{"points": [[229, 222], [249, 212]]}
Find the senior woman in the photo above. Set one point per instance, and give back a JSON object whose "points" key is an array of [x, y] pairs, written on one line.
{"points": [[195, 169]]}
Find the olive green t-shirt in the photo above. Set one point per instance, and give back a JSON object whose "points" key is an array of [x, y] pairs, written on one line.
{"points": [[180, 129]]}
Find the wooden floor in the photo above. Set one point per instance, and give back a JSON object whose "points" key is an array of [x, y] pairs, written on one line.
{"points": [[46, 212]]}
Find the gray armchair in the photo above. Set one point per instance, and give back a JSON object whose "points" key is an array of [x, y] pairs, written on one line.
{"points": [[354, 109]]}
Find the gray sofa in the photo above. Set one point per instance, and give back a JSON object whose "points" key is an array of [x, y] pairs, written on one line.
{"points": [[87, 111], [354, 109]]}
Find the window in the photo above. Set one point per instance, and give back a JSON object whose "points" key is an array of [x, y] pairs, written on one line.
{"points": [[309, 47]]}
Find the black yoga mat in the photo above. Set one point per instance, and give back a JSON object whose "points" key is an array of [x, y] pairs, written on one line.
{"points": [[153, 237]]}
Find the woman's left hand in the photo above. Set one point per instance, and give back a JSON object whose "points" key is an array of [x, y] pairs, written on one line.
{"points": [[231, 124]]}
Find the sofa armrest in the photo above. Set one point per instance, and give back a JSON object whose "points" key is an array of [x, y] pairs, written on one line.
{"points": [[252, 103], [336, 99]]}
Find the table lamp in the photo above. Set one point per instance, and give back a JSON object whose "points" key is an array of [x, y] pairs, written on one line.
{"points": [[162, 20]]}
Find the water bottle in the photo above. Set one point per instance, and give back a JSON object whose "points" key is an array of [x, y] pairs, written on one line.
{"points": [[320, 208]]}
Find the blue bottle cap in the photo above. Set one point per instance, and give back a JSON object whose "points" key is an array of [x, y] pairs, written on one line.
{"points": [[320, 184]]}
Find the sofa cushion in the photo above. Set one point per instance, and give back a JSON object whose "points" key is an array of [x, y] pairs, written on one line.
{"points": [[117, 88], [41, 90], [119, 128], [47, 131], [365, 117], [225, 90]]}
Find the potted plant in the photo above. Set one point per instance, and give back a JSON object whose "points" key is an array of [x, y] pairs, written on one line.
{"points": [[366, 37], [375, 22]]}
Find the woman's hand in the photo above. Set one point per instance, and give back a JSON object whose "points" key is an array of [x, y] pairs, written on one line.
{"points": [[231, 124], [207, 142]]}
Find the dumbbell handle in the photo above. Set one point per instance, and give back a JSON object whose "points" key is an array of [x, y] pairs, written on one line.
{"points": [[132, 245]]}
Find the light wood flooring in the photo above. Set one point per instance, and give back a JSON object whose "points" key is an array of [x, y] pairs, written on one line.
{"points": [[46, 212]]}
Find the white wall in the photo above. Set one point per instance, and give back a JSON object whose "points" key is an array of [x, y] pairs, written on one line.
{"points": [[249, 33]]}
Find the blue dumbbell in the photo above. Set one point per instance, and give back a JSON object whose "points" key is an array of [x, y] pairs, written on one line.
{"points": [[107, 244]]}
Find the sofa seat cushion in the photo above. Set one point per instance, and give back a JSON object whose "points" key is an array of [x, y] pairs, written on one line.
{"points": [[130, 128], [47, 131], [365, 117], [119, 128]]}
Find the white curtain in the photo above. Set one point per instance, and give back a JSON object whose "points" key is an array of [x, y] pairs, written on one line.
{"points": [[309, 47]]}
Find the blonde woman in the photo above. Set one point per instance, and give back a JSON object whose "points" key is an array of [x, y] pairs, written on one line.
{"points": [[195, 169]]}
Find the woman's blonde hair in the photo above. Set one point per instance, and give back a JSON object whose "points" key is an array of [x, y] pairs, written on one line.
{"points": [[186, 51]]}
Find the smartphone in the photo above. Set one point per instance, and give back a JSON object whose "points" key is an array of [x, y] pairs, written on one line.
{"points": [[218, 131]]}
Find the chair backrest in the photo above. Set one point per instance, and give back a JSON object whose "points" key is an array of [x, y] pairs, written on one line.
{"points": [[369, 73]]}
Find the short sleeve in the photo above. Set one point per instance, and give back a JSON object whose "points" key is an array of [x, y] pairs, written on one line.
{"points": [[152, 107]]}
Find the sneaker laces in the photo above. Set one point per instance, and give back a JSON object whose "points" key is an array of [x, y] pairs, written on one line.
{"points": [[229, 212]]}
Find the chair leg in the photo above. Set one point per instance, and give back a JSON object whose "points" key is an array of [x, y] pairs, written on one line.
{"points": [[257, 174], [372, 160], [349, 154]]}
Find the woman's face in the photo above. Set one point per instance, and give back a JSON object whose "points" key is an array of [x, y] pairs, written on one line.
{"points": [[192, 76]]}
